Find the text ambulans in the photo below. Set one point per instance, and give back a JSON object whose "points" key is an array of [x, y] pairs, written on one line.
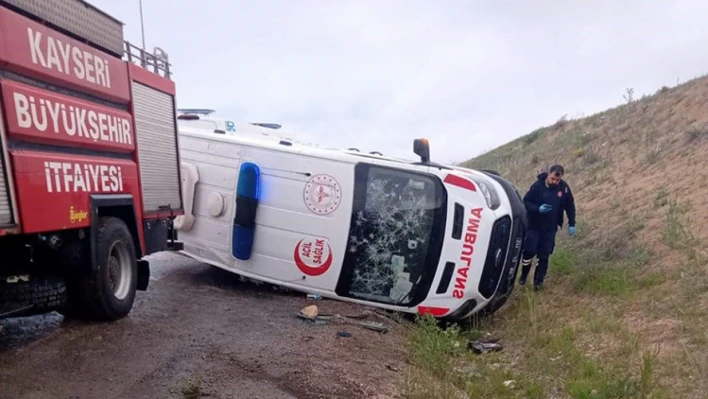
{"points": [[467, 252]]}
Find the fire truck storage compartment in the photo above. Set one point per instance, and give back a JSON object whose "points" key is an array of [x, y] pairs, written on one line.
{"points": [[157, 148], [78, 18]]}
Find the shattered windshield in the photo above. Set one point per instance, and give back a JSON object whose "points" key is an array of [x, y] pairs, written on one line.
{"points": [[395, 236]]}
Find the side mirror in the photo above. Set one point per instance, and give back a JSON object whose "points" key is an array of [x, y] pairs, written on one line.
{"points": [[422, 149]]}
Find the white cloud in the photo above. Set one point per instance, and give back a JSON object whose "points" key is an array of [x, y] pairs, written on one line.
{"points": [[468, 75]]}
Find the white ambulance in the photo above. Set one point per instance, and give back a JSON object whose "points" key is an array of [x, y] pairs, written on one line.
{"points": [[415, 237]]}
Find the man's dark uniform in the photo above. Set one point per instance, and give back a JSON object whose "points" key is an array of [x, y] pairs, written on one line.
{"points": [[541, 236]]}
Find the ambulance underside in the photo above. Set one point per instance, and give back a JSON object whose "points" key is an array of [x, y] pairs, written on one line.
{"points": [[376, 239]]}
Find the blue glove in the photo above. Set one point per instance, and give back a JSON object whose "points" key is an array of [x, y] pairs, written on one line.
{"points": [[545, 208], [571, 230]]}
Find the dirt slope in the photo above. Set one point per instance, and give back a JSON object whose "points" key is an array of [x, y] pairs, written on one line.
{"points": [[624, 157], [626, 310]]}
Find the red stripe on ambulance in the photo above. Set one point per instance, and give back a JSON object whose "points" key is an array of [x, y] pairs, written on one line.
{"points": [[460, 182], [432, 310], [467, 253]]}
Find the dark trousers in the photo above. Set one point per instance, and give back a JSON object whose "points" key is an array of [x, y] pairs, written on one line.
{"points": [[538, 243]]}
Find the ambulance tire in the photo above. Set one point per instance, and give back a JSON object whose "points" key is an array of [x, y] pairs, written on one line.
{"points": [[108, 291]]}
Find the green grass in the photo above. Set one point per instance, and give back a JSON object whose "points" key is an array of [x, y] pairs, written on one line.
{"points": [[653, 156], [676, 233], [662, 197], [607, 264], [568, 341], [642, 255], [543, 358], [191, 388], [591, 158], [696, 135], [562, 262], [605, 280], [434, 347]]}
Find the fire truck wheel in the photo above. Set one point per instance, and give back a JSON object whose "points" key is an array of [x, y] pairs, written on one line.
{"points": [[110, 289]]}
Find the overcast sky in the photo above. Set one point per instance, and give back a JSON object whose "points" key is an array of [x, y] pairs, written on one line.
{"points": [[375, 74]]}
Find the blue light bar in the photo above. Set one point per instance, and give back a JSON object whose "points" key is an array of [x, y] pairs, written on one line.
{"points": [[249, 185], [248, 191]]}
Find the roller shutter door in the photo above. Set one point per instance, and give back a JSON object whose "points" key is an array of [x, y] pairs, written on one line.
{"points": [[157, 148], [5, 208], [5, 205]]}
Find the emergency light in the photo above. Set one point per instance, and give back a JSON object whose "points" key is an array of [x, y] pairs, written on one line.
{"points": [[421, 147], [248, 190]]}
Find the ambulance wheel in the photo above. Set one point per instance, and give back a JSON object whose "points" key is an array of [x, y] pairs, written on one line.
{"points": [[109, 289]]}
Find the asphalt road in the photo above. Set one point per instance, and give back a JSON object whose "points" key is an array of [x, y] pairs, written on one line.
{"points": [[199, 323]]}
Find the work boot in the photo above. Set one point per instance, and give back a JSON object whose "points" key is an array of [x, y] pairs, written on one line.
{"points": [[537, 286], [525, 270]]}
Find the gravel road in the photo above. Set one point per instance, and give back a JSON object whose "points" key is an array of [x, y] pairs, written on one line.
{"points": [[198, 326]]}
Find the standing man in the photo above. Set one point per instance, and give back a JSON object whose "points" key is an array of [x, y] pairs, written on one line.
{"points": [[545, 202]]}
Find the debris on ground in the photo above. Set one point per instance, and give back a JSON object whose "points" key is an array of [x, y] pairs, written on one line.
{"points": [[314, 297], [344, 334], [311, 314], [509, 384], [375, 326], [484, 346], [310, 311]]}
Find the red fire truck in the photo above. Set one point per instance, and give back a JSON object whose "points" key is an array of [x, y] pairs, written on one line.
{"points": [[89, 164]]}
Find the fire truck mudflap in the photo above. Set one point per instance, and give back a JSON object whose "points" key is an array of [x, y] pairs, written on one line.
{"points": [[90, 180]]}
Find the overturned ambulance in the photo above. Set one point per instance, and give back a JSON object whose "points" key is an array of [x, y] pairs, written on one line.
{"points": [[414, 237]]}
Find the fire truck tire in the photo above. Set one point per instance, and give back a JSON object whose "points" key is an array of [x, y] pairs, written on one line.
{"points": [[43, 293], [109, 290]]}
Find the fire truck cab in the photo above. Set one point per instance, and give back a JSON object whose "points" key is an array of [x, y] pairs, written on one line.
{"points": [[89, 162], [415, 237]]}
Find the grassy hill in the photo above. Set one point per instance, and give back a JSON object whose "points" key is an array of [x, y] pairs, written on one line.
{"points": [[625, 313]]}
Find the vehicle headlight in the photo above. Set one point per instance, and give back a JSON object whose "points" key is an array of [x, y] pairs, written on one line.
{"points": [[489, 192]]}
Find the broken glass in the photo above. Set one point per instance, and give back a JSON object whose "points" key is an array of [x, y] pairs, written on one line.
{"points": [[395, 216]]}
